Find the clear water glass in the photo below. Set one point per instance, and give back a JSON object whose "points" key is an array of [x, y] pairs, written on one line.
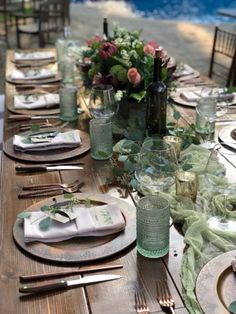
{"points": [[153, 215], [67, 69], [102, 103], [100, 131], [157, 165], [206, 117], [68, 103]]}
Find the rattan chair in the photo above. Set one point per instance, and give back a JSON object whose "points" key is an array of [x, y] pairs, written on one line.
{"points": [[223, 57], [51, 19]]}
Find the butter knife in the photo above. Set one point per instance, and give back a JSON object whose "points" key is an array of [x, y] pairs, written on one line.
{"points": [[80, 270], [46, 168], [68, 283], [24, 117]]}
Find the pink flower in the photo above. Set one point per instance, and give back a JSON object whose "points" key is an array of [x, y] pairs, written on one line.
{"points": [[107, 50], [150, 47], [133, 76], [94, 39]]}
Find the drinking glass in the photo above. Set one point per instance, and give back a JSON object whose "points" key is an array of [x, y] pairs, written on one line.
{"points": [[205, 119], [68, 103], [157, 165], [102, 102], [153, 216], [224, 183]]}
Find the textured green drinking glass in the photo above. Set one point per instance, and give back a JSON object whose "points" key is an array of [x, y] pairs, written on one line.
{"points": [[153, 215]]}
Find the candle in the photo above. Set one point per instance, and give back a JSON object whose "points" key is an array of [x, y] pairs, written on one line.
{"points": [[175, 142], [186, 184]]}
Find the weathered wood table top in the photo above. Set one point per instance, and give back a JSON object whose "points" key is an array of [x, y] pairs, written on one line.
{"points": [[110, 297]]}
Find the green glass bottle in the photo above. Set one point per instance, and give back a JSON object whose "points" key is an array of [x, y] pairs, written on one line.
{"points": [[156, 101], [105, 28]]}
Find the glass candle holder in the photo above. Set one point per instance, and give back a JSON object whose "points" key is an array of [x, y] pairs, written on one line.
{"points": [[153, 215], [100, 138], [68, 103], [187, 184], [175, 142]]}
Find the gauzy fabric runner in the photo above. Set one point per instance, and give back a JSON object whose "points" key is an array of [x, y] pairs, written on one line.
{"points": [[36, 101], [93, 221]]}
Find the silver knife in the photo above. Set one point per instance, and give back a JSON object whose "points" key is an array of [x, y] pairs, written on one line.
{"points": [[22, 117], [62, 284], [46, 168]]}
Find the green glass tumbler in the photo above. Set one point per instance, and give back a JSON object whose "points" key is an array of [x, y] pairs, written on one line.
{"points": [[153, 215], [68, 103], [100, 131]]}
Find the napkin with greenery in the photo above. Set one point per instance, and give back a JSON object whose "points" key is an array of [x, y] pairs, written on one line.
{"points": [[32, 74], [93, 221], [36, 101], [46, 140]]}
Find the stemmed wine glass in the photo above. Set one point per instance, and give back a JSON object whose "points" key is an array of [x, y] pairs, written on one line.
{"points": [[102, 103], [156, 166], [222, 181]]}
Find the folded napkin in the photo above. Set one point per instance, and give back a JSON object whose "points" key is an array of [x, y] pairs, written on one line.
{"points": [[218, 93], [35, 101], [33, 74], [183, 70], [95, 221], [37, 55], [46, 140]]}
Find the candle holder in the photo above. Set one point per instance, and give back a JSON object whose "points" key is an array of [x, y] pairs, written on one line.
{"points": [[175, 142], [187, 184]]}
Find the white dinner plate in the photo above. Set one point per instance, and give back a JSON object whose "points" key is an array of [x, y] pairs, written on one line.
{"points": [[176, 96], [225, 136]]}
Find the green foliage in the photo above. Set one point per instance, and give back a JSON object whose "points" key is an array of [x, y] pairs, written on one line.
{"points": [[45, 223], [232, 307], [24, 215], [120, 72]]}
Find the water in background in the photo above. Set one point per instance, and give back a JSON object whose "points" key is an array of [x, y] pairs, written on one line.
{"points": [[203, 11]]}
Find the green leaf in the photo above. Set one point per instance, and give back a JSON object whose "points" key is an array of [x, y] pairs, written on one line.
{"points": [[232, 89], [187, 167], [120, 72], [45, 208], [87, 203], [232, 307], [177, 115], [24, 215], [68, 195], [35, 128], [138, 96], [45, 223]]}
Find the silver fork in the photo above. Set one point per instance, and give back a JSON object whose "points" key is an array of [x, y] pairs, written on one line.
{"points": [[164, 297], [141, 303]]}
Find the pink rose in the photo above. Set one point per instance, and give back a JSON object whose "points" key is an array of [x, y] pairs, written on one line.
{"points": [[153, 44], [94, 39], [150, 47], [107, 50], [133, 76]]}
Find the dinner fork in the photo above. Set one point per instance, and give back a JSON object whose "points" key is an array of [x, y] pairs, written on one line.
{"points": [[51, 191], [48, 186], [164, 297], [141, 303]]}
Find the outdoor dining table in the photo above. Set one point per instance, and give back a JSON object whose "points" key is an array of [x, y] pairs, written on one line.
{"points": [[113, 297]]}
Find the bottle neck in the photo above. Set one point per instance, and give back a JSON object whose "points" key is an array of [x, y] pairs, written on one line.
{"points": [[105, 28], [157, 69]]}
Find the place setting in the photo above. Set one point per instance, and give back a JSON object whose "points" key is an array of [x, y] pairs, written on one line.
{"points": [[53, 229]]}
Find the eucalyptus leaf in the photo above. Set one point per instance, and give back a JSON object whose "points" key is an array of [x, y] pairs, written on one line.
{"points": [[68, 195], [24, 215], [35, 128], [232, 307], [138, 96], [177, 115], [45, 223], [45, 208]]}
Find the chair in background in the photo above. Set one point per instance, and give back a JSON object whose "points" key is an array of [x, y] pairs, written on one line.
{"points": [[7, 9], [51, 20], [223, 57]]}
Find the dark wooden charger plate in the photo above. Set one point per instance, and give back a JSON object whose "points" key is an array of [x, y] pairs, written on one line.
{"points": [[216, 284], [84, 248], [50, 155]]}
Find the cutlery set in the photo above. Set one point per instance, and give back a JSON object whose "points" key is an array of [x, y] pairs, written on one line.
{"points": [[62, 284], [163, 297]]}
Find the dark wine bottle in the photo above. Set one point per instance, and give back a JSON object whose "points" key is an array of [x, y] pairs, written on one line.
{"points": [[105, 28], [156, 100]]}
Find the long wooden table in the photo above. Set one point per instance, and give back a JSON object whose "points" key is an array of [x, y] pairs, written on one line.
{"points": [[109, 297]]}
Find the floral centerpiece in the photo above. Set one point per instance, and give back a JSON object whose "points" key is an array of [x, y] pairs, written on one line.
{"points": [[124, 61]]}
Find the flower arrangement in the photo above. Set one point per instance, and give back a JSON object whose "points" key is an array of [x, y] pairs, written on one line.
{"points": [[124, 61]]}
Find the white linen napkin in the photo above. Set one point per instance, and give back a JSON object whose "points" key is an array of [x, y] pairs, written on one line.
{"points": [[36, 101], [95, 221], [183, 70], [47, 140], [36, 55], [33, 74]]}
